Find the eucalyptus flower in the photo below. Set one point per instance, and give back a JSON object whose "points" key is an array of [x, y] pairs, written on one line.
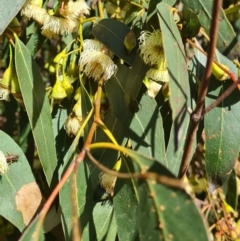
{"points": [[34, 12], [97, 65], [94, 44], [73, 10], [151, 47], [58, 25]]}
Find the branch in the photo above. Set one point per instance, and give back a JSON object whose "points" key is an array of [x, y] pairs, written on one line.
{"points": [[197, 113]]}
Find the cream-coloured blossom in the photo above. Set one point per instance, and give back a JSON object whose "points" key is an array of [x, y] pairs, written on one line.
{"points": [[3, 163], [72, 125], [58, 25], [151, 47], [158, 75], [107, 182], [153, 88], [94, 44], [34, 12], [73, 10], [4, 93], [97, 65]]}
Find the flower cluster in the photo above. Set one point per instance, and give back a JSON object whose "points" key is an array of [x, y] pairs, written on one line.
{"points": [[65, 20], [152, 53], [96, 60]]}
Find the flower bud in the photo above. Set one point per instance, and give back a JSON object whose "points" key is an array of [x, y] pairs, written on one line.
{"points": [[15, 88], [77, 109], [219, 73], [72, 125], [77, 94], [7, 78], [58, 92], [72, 69], [67, 86], [60, 57]]}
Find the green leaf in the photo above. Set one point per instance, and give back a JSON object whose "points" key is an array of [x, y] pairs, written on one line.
{"points": [[178, 85], [8, 10], [18, 175], [221, 131], [161, 207], [112, 33], [134, 80], [103, 218], [144, 127], [30, 232], [126, 205], [191, 24], [38, 109], [203, 9], [232, 190]]}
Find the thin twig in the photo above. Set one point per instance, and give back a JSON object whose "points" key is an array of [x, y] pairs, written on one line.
{"points": [[197, 114], [168, 181], [224, 95], [76, 230]]}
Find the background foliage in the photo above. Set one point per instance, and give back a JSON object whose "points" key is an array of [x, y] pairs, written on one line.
{"points": [[131, 128]]}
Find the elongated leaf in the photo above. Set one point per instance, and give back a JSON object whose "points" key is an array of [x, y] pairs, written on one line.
{"points": [[203, 9], [38, 109], [8, 10], [18, 175], [103, 218], [126, 205], [222, 134], [232, 190], [134, 80], [112, 33], [30, 232], [178, 84], [144, 127], [161, 207]]}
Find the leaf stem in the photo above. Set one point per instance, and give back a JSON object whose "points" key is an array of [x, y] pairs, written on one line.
{"points": [[196, 116]]}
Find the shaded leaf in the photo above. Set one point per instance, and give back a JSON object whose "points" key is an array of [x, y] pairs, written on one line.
{"points": [[191, 24], [18, 175], [231, 190], [178, 85], [203, 9], [112, 33], [8, 10], [144, 127], [38, 109], [126, 205], [134, 80]]}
